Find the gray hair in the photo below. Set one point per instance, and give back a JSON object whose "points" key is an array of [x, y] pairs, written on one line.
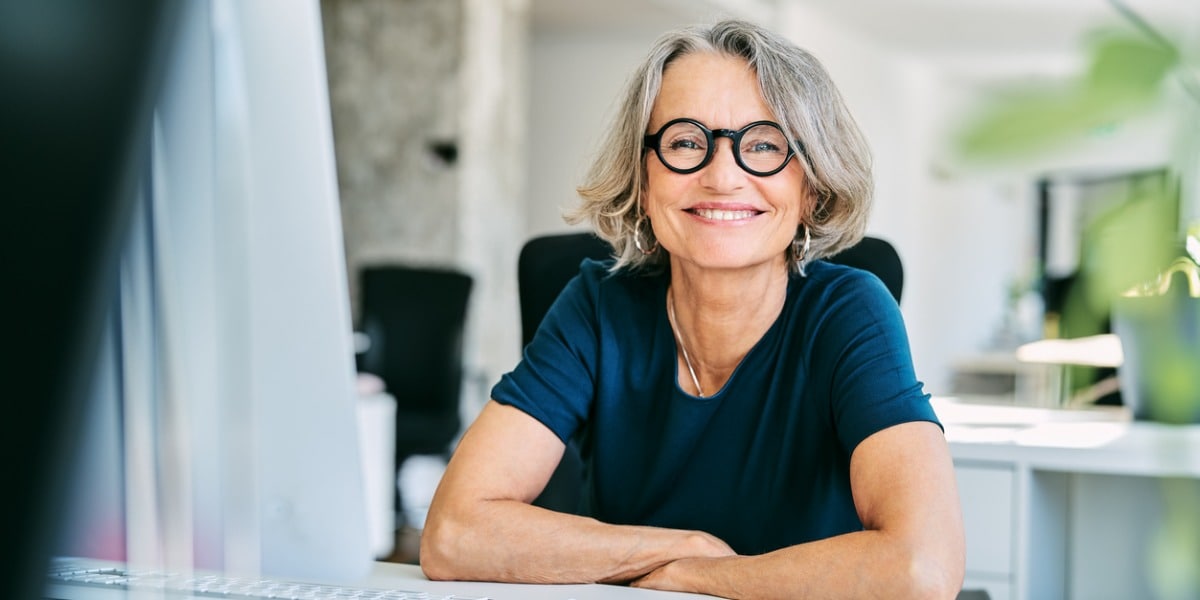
{"points": [[804, 101]]}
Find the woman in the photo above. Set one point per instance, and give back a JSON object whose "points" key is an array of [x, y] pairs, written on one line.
{"points": [[750, 417]]}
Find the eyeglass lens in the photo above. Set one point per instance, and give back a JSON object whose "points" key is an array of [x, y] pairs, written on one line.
{"points": [[762, 148]]}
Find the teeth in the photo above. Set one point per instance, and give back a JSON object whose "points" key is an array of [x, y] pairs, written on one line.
{"points": [[723, 215]]}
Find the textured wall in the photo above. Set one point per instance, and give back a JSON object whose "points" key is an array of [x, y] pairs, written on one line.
{"points": [[393, 68], [493, 187], [413, 82]]}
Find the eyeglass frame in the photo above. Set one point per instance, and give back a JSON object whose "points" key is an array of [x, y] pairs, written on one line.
{"points": [[653, 141]]}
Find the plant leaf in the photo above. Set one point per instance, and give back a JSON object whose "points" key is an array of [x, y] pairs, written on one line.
{"points": [[1124, 78]]}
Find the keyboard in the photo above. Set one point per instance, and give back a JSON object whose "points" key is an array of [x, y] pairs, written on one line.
{"points": [[232, 588]]}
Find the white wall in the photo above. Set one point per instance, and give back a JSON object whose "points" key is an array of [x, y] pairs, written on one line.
{"points": [[575, 79]]}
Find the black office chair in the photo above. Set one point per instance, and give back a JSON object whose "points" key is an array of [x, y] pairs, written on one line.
{"points": [[877, 256], [414, 318], [544, 267]]}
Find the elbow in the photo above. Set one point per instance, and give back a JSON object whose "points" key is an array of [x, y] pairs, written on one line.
{"points": [[937, 585], [936, 577], [436, 554], [435, 568]]}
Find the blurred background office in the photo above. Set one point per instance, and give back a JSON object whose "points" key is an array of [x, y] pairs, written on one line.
{"points": [[463, 127]]}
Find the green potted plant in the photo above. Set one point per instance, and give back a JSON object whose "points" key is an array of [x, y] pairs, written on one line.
{"points": [[1137, 260], [1141, 263]]}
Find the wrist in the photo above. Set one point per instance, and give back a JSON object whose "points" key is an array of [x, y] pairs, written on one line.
{"points": [[698, 544]]}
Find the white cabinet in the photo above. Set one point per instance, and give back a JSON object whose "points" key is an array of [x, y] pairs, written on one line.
{"points": [[987, 494], [1066, 504]]}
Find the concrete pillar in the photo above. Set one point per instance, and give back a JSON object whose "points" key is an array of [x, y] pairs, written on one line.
{"points": [[428, 101]]}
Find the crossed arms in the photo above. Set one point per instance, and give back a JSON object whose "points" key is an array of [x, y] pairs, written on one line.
{"points": [[481, 526]]}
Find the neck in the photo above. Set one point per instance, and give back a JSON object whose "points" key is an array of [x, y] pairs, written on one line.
{"points": [[719, 316]]}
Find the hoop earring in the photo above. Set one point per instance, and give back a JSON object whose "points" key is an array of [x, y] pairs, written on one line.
{"points": [[637, 237], [800, 252]]}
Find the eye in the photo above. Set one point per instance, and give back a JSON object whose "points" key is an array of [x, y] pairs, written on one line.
{"points": [[684, 138], [763, 146], [686, 143], [764, 140]]}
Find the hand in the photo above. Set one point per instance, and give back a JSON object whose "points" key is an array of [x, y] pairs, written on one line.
{"points": [[675, 576]]}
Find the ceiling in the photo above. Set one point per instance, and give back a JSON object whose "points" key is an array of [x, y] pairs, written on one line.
{"points": [[940, 27], [614, 15], [972, 38]]}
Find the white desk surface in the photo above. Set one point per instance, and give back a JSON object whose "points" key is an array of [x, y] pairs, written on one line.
{"points": [[388, 576], [410, 578], [1104, 441]]}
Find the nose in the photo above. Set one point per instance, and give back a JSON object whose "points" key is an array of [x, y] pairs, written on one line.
{"points": [[722, 172]]}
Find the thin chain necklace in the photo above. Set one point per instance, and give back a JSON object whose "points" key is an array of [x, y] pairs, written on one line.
{"points": [[679, 338]]}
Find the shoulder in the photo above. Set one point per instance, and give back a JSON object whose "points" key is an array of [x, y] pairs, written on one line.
{"points": [[618, 302], [599, 294], [596, 270], [836, 303], [836, 285]]}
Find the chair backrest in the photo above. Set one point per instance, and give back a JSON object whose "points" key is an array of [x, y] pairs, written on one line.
{"points": [[414, 318], [548, 262], [877, 256], [544, 267]]}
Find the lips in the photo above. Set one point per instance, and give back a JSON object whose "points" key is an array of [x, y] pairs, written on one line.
{"points": [[717, 214]]}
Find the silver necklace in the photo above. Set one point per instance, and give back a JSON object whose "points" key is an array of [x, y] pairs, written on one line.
{"points": [[682, 346]]}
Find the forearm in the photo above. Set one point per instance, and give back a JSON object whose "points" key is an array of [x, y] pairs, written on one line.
{"points": [[866, 564], [510, 541]]}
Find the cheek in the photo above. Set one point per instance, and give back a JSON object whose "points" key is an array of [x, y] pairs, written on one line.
{"points": [[659, 190], [793, 193], [790, 201]]}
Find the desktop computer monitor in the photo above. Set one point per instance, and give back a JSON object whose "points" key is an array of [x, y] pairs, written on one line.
{"points": [[222, 435]]}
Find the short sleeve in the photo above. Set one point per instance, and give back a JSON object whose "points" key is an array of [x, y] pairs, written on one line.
{"points": [[555, 380], [873, 384]]}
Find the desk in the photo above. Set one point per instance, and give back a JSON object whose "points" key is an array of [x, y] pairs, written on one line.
{"points": [[1063, 503], [382, 576], [410, 577]]}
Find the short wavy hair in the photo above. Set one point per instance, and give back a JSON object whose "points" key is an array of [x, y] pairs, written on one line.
{"points": [[804, 101]]}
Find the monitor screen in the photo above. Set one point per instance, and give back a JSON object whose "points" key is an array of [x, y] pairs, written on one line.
{"points": [[222, 433]]}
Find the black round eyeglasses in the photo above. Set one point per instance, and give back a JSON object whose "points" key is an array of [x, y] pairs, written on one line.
{"points": [[686, 146]]}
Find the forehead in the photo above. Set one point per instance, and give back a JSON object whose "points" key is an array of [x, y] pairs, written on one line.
{"points": [[718, 90]]}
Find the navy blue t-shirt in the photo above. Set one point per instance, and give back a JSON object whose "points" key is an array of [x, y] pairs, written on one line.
{"points": [[762, 464]]}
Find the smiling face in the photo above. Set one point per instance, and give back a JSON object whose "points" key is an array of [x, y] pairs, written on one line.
{"points": [[720, 217]]}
